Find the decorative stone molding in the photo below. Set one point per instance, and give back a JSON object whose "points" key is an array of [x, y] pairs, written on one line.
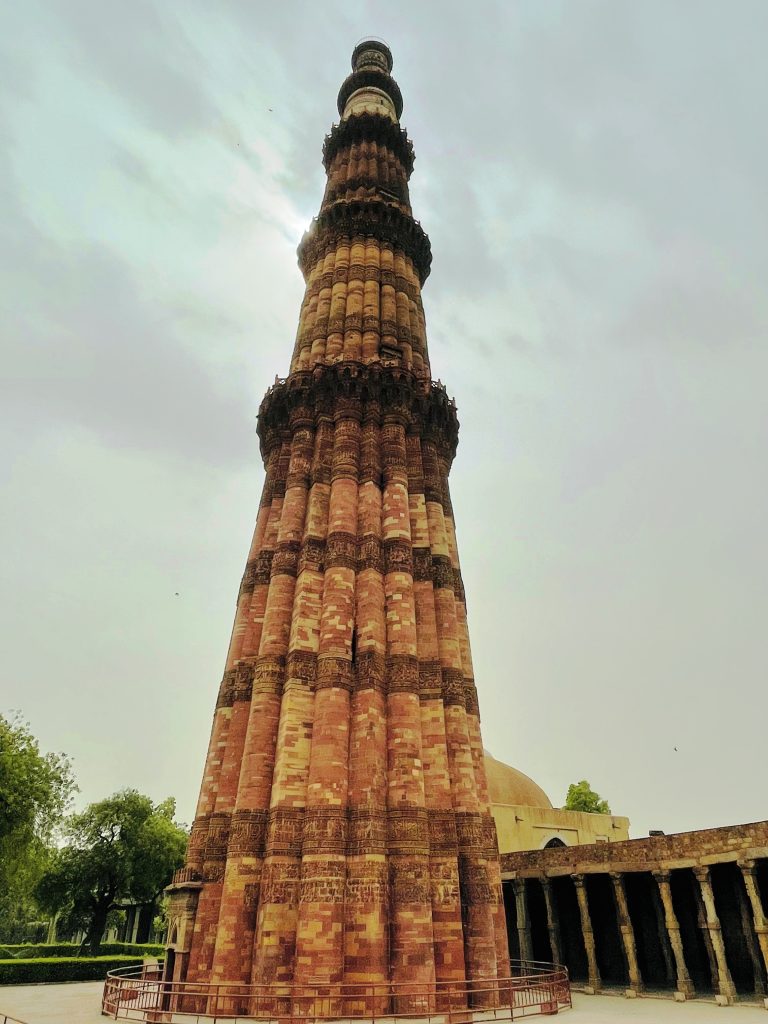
{"points": [[373, 218]]}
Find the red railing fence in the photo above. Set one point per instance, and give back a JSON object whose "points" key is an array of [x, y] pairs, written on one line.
{"points": [[532, 989]]}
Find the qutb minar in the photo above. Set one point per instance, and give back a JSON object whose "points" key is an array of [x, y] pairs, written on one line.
{"points": [[343, 832]]}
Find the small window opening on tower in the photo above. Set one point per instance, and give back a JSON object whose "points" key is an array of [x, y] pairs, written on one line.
{"points": [[354, 646]]}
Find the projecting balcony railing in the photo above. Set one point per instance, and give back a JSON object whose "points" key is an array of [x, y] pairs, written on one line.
{"points": [[533, 989]]}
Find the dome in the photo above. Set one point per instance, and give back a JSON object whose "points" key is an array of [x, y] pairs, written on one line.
{"points": [[506, 785]]}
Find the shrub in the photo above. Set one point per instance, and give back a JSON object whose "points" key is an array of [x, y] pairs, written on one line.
{"points": [[63, 968], [60, 949]]}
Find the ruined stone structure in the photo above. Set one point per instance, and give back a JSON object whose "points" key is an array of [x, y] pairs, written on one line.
{"points": [[343, 831], [686, 913]]}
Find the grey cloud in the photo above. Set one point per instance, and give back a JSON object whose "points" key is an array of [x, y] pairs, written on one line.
{"points": [[85, 346]]}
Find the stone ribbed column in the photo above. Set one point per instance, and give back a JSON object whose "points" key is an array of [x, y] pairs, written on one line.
{"points": [[366, 959], [412, 961], [273, 959], [211, 830], [553, 921], [684, 983], [722, 978], [448, 935], [320, 931], [478, 893], [237, 916], [371, 324], [627, 932], [587, 933], [758, 914]]}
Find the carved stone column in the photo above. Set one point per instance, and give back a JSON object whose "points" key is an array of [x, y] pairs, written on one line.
{"points": [[663, 936], [553, 921], [758, 915], [724, 981], [523, 920], [587, 933], [684, 983], [627, 933], [748, 931]]}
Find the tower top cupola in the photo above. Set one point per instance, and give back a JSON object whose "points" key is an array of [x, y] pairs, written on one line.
{"points": [[371, 88]]}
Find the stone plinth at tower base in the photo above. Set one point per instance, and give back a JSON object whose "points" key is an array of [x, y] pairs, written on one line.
{"points": [[343, 839]]}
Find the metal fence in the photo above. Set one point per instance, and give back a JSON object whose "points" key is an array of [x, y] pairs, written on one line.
{"points": [[533, 989]]}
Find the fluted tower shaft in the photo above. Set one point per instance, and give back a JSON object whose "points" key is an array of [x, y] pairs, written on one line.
{"points": [[343, 831]]}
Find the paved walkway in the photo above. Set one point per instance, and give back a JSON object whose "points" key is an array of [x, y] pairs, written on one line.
{"points": [[618, 1010], [79, 1003]]}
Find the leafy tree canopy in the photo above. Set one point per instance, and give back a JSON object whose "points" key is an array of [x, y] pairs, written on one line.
{"points": [[122, 849], [35, 791], [581, 797]]}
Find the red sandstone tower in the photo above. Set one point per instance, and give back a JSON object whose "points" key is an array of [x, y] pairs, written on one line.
{"points": [[343, 831]]}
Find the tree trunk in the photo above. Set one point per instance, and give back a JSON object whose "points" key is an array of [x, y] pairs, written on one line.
{"points": [[146, 917], [96, 927]]}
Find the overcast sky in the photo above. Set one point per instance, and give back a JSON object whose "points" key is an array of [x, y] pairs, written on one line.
{"points": [[593, 179]]}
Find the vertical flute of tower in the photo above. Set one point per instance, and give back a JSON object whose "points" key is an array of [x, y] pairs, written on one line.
{"points": [[343, 834], [320, 928], [278, 907], [366, 896], [447, 928], [412, 943], [211, 830]]}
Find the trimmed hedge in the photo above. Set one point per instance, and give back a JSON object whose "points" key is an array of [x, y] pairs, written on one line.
{"points": [[63, 968], [59, 949]]}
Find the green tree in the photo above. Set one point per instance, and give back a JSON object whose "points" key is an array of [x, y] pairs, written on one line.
{"points": [[35, 791], [581, 797], [119, 850]]}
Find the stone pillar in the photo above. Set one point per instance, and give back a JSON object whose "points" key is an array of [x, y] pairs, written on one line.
{"points": [[663, 936], [627, 933], [748, 932], [553, 921], [183, 895], [685, 987], [712, 923], [523, 919], [586, 930], [701, 924], [758, 914]]}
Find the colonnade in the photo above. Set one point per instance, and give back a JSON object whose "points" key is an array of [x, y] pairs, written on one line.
{"points": [[693, 929]]}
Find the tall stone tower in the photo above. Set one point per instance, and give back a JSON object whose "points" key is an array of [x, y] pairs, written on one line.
{"points": [[343, 832]]}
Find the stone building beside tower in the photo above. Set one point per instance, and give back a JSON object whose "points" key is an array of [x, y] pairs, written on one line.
{"points": [[343, 831]]}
